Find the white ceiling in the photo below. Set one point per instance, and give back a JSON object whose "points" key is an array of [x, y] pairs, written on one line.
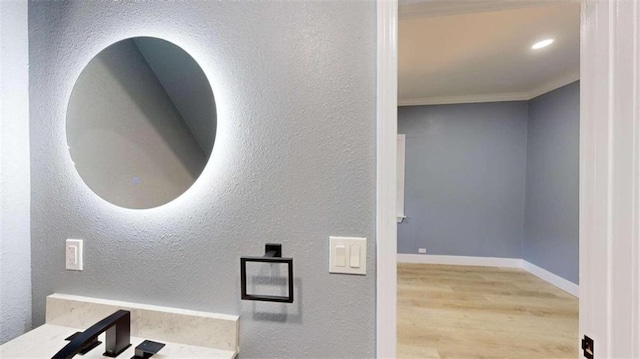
{"points": [[466, 51]]}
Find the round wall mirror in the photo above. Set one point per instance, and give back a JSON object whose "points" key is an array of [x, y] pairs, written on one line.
{"points": [[141, 122]]}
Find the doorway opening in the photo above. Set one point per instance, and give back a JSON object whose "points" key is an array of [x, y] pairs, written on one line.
{"points": [[488, 146]]}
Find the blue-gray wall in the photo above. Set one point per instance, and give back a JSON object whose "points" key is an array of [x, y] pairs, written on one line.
{"points": [[465, 179], [495, 180], [551, 215]]}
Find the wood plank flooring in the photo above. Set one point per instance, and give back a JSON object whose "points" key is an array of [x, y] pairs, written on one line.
{"points": [[455, 312]]}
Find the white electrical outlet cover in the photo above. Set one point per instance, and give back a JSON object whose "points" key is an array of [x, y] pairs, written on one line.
{"points": [[73, 253], [422, 250]]}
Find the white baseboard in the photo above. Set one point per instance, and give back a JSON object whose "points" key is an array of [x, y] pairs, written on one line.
{"points": [[551, 278], [541, 273], [460, 260]]}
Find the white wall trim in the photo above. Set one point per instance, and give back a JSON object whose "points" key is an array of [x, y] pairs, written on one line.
{"points": [[460, 260], [551, 278], [400, 178], [610, 177], [434, 8], [541, 273], [554, 84], [387, 130], [449, 100], [497, 97]]}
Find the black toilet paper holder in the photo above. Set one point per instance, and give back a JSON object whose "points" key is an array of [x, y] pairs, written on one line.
{"points": [[272, 254]]}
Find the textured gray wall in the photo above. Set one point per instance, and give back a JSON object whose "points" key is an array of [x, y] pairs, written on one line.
{"points": [[15, 250], [551, 219], [465, 179], [293, 162]]}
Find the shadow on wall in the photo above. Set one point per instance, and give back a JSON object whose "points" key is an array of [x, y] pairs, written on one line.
{"points": [[278, 312], [272, 279]]}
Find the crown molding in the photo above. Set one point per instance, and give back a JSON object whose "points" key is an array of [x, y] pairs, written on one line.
{"points": [[498, 97], [435, 8], [450, 100], [554, 84]]}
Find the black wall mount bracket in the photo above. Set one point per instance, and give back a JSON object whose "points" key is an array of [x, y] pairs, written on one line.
{"points": [[587, 347], [272, 254]]}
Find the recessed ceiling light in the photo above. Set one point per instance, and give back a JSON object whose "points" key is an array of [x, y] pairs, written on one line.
{"points": [[541, 44]]}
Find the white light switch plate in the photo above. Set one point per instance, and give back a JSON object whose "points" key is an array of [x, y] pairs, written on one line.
{"points": [[73, 254], [348, 255]]}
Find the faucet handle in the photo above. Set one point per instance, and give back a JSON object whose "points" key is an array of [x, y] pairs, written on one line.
{"points": [[146, 349], [87, 348]]}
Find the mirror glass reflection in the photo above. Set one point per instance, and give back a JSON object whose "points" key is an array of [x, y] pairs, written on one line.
{"points": [[141, 122]]}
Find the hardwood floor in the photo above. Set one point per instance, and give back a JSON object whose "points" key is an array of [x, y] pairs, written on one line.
{"points": [[482, 312]]}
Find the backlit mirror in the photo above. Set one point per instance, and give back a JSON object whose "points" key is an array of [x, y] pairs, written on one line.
{"points": [[141, 122]]}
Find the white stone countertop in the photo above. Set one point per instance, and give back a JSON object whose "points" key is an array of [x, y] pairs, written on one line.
{"points": [[48, 339]]}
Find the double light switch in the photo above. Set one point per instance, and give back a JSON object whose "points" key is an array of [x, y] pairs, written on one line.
{"points": [[347, 255]]}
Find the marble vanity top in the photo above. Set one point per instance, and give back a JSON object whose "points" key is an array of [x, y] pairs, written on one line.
{"points": [[46, 340], [186, 333]]}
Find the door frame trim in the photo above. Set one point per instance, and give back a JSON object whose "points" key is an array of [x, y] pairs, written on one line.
{"points": [[386, 221], [610, 177]]}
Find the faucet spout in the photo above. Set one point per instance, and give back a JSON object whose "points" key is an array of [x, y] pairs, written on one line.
{"points": [[118, 336]]}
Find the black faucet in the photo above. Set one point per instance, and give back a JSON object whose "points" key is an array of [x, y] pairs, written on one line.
{"points": [[118, 338]]}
